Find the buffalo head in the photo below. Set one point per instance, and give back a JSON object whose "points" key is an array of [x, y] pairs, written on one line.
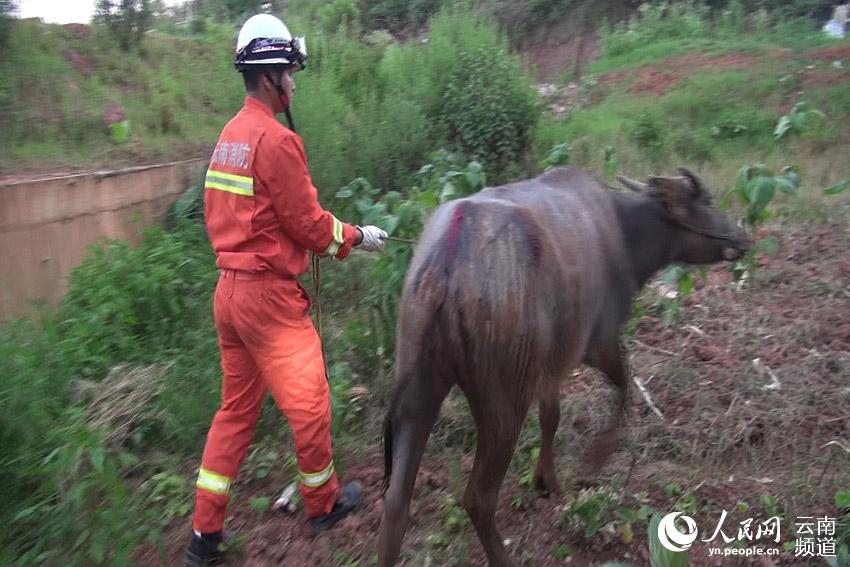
{"points": [[705, 234]]}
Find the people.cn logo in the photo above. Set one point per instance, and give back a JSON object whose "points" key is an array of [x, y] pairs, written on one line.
{"points": [[670, 536]]}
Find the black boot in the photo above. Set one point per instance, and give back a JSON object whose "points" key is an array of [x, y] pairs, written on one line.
{"points": [[204, 550], [348, 500]]}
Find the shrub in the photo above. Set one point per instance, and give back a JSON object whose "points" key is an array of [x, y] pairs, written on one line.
{"points": [[656, 22], [127, 303], [127, 21], [340, 13], [7, 9], [487, 112], [651, 135]]}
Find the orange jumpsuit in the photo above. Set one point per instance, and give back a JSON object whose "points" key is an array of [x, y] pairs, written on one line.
{"points": [[262, 217]]}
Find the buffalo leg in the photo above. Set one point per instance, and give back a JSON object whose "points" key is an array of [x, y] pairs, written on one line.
{"points": [[607, 358], [498, 429], [417, 410], [545, 478]]}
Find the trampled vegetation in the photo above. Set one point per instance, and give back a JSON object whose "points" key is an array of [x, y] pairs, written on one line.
{"points": [[105, 400]]}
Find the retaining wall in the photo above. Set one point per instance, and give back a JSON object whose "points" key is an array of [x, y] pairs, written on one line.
{"points": [[47, 225]]}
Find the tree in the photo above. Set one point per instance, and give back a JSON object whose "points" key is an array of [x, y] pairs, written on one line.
{"points": [[7, 9], [126, 19]]}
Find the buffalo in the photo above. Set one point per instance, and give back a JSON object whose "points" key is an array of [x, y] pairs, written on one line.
{"points": [[508, 291]]}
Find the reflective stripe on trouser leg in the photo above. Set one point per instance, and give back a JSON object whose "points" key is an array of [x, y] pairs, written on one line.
{"points": [[213, 482], [317, 479]]}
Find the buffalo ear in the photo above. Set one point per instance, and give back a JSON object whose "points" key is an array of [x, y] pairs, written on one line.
{"points": [[675, 193], [696, 184]]}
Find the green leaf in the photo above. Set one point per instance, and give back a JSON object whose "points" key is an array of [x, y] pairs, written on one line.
{"points": [[448, 193], [260, 503], [612, 162], [391, 199], [782, 127], [686, 284], [562, 551], [628, 515], [673, 273], [792, 173], [842, 499], [786, 185], [760, 191], [97, 548], [768, 245], [96, 456], [389, 223], [837, 188]]}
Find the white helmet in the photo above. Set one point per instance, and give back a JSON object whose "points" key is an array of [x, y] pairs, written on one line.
{"points": [[265, 40]]}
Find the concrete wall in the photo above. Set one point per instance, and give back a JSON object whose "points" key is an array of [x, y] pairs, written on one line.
{"points": [[46, 225]]}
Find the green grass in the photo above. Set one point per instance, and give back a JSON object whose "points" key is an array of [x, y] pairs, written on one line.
{"points": [[707, 119], [652, 40], [175, 93]]}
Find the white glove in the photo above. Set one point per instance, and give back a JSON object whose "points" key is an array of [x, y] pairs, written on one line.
{"points": [[373, 238]]}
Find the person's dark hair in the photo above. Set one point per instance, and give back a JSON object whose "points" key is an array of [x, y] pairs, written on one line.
{"points": [[252, 77]]}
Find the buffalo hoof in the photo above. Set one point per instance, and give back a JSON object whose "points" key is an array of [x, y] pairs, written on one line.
{"points": [[546, 484]]}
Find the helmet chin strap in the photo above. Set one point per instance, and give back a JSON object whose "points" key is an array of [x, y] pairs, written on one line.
{"points": [[284, 100]]}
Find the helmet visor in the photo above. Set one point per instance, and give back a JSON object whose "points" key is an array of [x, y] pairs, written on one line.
{"points": [[274, 50]]}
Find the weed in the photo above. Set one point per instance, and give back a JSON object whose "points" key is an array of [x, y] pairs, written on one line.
{"points": [[170, 494], [801, 121], [562, 551], [612, 162], [755, 187], [652, 136], [837, 188], [559, 155]]}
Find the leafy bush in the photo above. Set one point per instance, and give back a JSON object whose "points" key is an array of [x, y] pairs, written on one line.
{"points": [[397, 15], [340, 13], [755, 187], [486, 111], [7, 9], [651, 135], [127, 20], [125, 303], [655, 22], [559, 155], [800, 121], [445, 178]]}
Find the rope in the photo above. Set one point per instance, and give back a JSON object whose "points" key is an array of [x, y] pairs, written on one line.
{"points": [[317, 296], [317, 293], [403, 240]]}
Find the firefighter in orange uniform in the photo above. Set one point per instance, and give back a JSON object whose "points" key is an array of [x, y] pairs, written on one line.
{"points": [[263, 217]]}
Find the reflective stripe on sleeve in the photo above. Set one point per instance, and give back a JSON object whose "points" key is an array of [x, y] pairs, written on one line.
{"points": [[315, 480], [229, 182], [337, 241], [213, 482]]}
